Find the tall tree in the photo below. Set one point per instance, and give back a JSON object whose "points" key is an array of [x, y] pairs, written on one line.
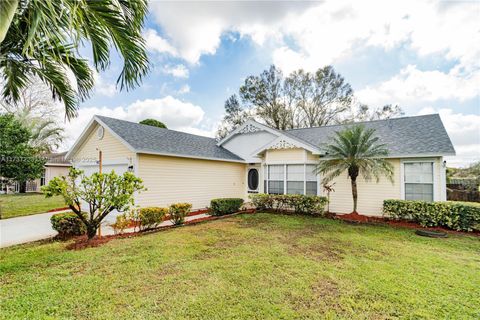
{"points": [[42, 39], [365, 113], [356, 151], [235, 115], [19, 161], [320, 98], [37, 111], [153, 123], [268, 96]]}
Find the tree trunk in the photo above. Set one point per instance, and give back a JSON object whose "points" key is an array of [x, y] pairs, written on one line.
{"points": [[22, 188], [91, 231], [354, 194]]}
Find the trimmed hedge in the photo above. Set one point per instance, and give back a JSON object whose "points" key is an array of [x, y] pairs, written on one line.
{"points": [[222, 206], [461, 216], [178, 212], [299, 203], [67, 225], [151, 217]]}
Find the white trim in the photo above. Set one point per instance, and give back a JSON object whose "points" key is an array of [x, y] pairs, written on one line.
{"points": [[290, 162], [260, 126], [57, 165], [188, 157], [105, 163], [284, 139], [443, 180], [402, 175]]}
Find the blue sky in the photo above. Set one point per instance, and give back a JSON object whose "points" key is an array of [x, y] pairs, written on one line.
{"points": [[424, 56]]}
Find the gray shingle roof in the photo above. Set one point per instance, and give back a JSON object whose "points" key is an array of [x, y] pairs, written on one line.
{"points": [[148, 139], [408, 136]]}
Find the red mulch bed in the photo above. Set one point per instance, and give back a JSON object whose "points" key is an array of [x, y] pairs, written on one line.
{"points": [[59, 209], [358, 218], [82, 242]]}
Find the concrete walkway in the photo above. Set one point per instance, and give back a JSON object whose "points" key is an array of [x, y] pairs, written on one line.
{"points": [[38, 227]]}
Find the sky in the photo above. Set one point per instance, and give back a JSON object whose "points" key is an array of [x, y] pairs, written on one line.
{"points": [[422, 55]]}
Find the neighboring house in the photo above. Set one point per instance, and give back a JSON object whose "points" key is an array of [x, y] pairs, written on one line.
{"points": [[181, 167], [56, 166]]}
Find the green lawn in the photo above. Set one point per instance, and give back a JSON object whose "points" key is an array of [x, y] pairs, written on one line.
{"points": [[261, 266], [15, 205]]}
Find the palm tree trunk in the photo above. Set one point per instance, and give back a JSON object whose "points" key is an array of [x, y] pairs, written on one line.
{"points": [[354, 194]]}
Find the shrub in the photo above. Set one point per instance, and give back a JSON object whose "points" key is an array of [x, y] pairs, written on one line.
{"points": [[151, 217], [302, 204], [121, 223], [220, 207], [178, 212], [67, 225], [262, 201], [461, 216]]}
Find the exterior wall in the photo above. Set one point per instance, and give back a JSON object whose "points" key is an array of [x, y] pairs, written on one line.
{"points": [[173, 179], [282, 156], [244, 145], [370, 194], [113, 150], [57, 171]]}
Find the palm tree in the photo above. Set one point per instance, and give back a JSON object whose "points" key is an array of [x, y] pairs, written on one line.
{"points": [[356, 151], [42, 38]]}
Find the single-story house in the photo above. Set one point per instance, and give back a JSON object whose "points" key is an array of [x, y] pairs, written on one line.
{"points": [[56, 165], [181, 167]]}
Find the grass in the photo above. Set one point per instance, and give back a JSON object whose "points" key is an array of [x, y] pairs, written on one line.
{"points": [[261, 266], [16, 205]]}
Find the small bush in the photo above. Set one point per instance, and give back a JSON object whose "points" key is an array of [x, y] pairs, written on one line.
{"points": [[459, 216], [222, 206], [302, 204], [121, 223], [178, 212], [67, 225], [150, 218]]}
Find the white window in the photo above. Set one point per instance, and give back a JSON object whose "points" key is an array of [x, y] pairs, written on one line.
{"points": [[418, 177], [311, 179], [290, 179], [295, 178], [276, 179]]}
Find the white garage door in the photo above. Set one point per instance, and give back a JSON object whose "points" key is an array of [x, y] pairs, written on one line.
{"points": [[106, 168]]}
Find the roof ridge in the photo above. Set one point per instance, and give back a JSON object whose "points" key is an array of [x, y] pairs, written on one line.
{"points": [[363, 122], [157, 128]]}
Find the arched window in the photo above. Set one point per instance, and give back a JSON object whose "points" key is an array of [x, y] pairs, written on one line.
{"points": [[253, 179]]}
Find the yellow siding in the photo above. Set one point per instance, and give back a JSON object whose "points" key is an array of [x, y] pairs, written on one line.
{"points": [[52, 172], [112, 148], [173, 179], [370, 194], [285, 156], [312, 157]]}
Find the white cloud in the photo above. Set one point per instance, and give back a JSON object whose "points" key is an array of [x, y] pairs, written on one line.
{"points": [[156, 43], [412, 86], [178, 71], [184, 89], [324, 32], [176, 114], [195, 28], [464, 131], [103, 86]]}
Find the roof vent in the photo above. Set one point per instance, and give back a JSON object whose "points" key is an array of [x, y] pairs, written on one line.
{"points": [[100, 132]]}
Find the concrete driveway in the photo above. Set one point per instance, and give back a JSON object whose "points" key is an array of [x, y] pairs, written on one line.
{"points": [[37, 227]]}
